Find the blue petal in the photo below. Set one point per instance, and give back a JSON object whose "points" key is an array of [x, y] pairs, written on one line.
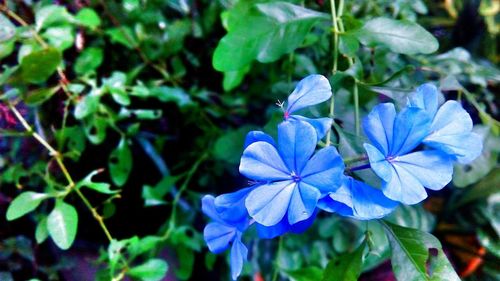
{"points": [[303, 203], [378, 126], [324, 170], [414, 171], [269, 232], [321, 125], [218, 236], [296, 143], [309, 91], [339, 202], [426, 98], [255, 136], [208, 208], [378, 162], [262, 162], [451, 133], [239, 253], [231, 207], [268, 203], [411, 126]]}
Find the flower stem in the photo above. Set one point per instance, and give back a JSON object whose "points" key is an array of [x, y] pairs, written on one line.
{"points": [[335, 43], [356, 106], [278, 253]]}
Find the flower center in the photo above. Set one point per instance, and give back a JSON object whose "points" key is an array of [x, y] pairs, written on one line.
{"points": [[295, 177]]}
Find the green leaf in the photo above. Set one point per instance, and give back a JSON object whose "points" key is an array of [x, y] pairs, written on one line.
{"points": [[412, 258], [88, 18], [39, 96], [400, 36], [153, 196], [24, 203], [62, 224], [6, 48], [87, 105], [89, 60], [41, 231], [7, 29], [185, 268], [60, 37], [266, 33], [38, 66], [233, 79], [115, 84], [486, 187], [95, 129], [120, 163], [51, 15], [169, 94], [348, 45], [346, 267], [101, 187], [152, 270], [229, 146], [123, 36], [311, 273]]}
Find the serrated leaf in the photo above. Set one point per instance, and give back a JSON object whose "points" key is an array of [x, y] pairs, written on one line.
{"points": [[401, 36], [120, 163], [62, 224], [413, 258], [24, 203], [152, 270], [38, 66], [346, 267], [101, 187], [276, 29]]}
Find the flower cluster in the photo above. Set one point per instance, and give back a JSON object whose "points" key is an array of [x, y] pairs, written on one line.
{"points": [[410, 151]]}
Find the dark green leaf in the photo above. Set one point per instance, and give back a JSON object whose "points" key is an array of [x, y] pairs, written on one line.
{"points": [[229, 146], [185, 268], [486, 187], [152, 270], [120, 163], [311, 273], [400, 36], [122, 35], [24, 203], [62, 224], [39, 96], [348, 45], [276, 29], [346, 267], [38, 66], [154, 195], [89, 60]]}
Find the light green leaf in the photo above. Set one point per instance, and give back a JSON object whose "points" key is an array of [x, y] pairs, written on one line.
{"points": [[88, 18], [233, 79], [62, 224], [276, 29], [101, 187], [400, 36], [152, 270], [7, 29], [170, 94], [38, 66], [60, 37], [120, 163], [41, 231], [89, 60], [24, 203], [52, 14], [88, 105], [6, 48], [346, 267], [412, 258]]}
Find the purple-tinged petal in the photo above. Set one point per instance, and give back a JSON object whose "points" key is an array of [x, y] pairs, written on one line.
{"points": [[239, 253], [255, 136], [218, 236], [324, 170], [303, 203], [378, 162], [261, 162], [411, 126], [426, 98], [321, 125], [451, 133], [432, 168], [312, 90], [296, 143], [268, 203], [378, 126]]}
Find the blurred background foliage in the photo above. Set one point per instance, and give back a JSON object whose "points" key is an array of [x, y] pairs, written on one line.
{"points": [[128, 95]]}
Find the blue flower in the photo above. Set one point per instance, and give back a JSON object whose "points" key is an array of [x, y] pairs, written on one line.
{"points": [[451, 128], [357, 200], [312, 90], [229, 223], [404, 175], [291, 178]]}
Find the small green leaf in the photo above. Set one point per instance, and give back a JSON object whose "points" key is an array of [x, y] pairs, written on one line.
{"points": [[101, 187], [88, 18], [39, 96], [87, 105], [412, 258], [38, 66], [152, 270], [346, 267], [62, 224], [120, 163], [24, 203], [7, 29], [89, 60], [41, 232], [348, 45], [51, 15], [401, 36], [170, 94], [311, 273], [60, 37], [122, 35]]}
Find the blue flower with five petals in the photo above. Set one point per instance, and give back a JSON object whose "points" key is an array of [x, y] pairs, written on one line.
{"points": [[291, 179]]}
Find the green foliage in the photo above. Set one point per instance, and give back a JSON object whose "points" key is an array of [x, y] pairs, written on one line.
{"points": [[120, 163], [152, 270], [38, 66], [24, 203], [62, 224], [346, 267]]}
